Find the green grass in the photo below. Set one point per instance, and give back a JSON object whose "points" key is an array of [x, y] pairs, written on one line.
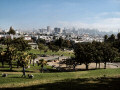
{"points": [[33, 69], [106, 79], [61, 79], [100, 79], [49, 52]]}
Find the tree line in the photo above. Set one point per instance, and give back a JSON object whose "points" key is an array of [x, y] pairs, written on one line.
{"points": [[16, 51], [55, 45], [97, 52]]}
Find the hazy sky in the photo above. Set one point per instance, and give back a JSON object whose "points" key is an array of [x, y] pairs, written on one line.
{"points": [[27, 14]]}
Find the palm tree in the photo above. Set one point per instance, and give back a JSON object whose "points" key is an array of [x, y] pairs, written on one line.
{"points": [[24, 61], [31, 54], [2, 55], [11, 55], [42, 62], [33, 57]]}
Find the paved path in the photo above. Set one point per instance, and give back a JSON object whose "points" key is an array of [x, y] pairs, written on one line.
{"points": [[92, 65], [51, 58]]}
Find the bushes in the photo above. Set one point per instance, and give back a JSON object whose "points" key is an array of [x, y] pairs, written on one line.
{"points": [[117, 59]]}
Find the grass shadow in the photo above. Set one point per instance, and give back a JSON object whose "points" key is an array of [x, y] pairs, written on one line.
{"points": [[68, 70], [77, 84], [7, 70]]}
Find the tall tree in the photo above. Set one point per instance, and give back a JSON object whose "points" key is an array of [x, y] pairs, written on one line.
{"points": [[54, 48], [84, 53], [11, 31], [109, 54], [21, 44], [2, 55], [42, 62], [59, 42], [112, 38], [97, 53], [33, 57], [7, 41], [41, 47], [118, 36], [24, 61], [2, 58], [66, 44], [40, 40], [105, 38], [11, 55]]}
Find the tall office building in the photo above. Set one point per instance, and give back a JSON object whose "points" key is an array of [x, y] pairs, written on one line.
{"points": [[48, 28], [57, 30]]}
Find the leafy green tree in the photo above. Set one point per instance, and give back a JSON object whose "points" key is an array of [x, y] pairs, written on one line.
{"points": [[7, 41], [59, 42], [70, 62], [78, 51], [97, 53], [112, 38], [105, 38], [116, 44], [40, 40], [11, 31], [20, 44], [54, 48], [118, 36], [41, 47], [89, 54], [66, 44], [109, 54], [84, 53], [2, 40]]}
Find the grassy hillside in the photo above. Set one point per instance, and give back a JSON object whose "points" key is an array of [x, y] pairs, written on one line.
{"points": [[92, 79]]}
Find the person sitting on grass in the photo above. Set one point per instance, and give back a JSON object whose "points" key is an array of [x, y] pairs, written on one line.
{"points": [[30, 76], [4, 75]]}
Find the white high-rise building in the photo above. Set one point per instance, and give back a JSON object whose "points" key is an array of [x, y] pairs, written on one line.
{"points": [[48, 29]]}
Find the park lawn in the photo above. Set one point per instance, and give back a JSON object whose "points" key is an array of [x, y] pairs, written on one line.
{"points": [[107, 79], [33, 69], [49, 52]]}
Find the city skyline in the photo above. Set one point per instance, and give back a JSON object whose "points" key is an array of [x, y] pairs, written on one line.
{"points": [[103, 15]]}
